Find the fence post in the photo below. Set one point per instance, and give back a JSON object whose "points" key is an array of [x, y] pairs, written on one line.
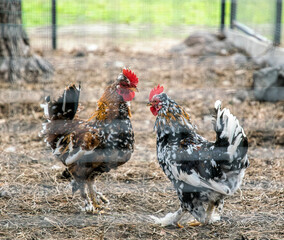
{"points": [[233, 13], [223, 15], [277, 30], [53, 27]]}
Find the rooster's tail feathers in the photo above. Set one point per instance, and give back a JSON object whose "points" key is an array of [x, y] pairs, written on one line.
{"points": [[230, 134], [65, 107]]}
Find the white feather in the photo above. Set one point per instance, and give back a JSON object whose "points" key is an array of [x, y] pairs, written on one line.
{"points": [[218, 120], [59, 141], [218, 104], [170, 218], [45, 109], [233, 148], [231, 129], [75, 157], [219, 187], [232, 124], [194, 179]]}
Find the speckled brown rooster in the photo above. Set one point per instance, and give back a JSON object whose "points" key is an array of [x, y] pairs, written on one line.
{"points": [[99, 144]]}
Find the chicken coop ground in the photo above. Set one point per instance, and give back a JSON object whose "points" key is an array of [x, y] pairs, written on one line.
{"points": [[36, 201]]}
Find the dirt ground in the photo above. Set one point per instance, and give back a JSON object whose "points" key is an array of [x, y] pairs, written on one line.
{"points": [[36, 202]]}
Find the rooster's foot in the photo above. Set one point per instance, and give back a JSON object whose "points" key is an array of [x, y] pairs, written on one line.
{"points": [[88, 208], [194, 223], [92, 208], [213, 218], [99, 208], [102, 198], [179, 225]]}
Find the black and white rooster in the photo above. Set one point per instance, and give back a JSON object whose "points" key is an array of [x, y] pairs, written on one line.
{"points": [[202, 172]]}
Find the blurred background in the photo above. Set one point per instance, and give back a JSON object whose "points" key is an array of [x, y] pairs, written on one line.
{"points": [[77, 21]]}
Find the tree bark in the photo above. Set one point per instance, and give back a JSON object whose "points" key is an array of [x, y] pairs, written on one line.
{"points": [[17, 61]]}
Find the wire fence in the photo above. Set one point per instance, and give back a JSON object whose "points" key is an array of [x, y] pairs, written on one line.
{"points": [[77, 20], [258, 18], [51, 22]]}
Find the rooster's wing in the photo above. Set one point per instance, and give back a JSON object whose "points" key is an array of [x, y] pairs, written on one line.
{"points": [[214, 166]]}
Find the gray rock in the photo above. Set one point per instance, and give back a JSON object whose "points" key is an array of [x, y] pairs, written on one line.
{"points": [[200, 38], [178, 48], [220, 48], [268, 84], [239, 59], [242, 95]]}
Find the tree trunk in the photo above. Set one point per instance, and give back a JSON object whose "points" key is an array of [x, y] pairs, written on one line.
{"points": [[17, 61]]}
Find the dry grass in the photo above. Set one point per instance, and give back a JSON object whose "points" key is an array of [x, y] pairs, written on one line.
{"points": [[36, 202]]}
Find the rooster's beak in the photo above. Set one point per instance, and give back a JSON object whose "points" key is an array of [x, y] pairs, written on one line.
{"points": [[134, 89], [149, 104]]}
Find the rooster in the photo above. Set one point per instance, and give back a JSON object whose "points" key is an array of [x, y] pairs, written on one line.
{"points": [[94, 146], [202, 172]]}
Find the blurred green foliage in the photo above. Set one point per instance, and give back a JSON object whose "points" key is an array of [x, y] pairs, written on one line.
{"points": [[165, 12]]}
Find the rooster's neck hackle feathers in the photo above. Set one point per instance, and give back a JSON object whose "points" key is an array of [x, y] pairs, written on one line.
{"points": [[172, 116], [110, 106]]}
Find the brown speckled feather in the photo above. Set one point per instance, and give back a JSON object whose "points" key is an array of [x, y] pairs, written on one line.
{"points": [[90, 147]]}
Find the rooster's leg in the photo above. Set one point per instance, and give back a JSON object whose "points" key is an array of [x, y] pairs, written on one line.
{"points": [[99, 196], [209, 212], [198, 212], [220, 205], [210, 215], [88, 207], [95, 197]]}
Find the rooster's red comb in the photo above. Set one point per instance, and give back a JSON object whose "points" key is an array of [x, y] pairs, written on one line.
{"points": [[131, 76], [157, 90]]}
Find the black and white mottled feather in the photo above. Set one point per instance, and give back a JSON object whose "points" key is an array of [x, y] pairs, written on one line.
{"points": [[202, 172]]}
